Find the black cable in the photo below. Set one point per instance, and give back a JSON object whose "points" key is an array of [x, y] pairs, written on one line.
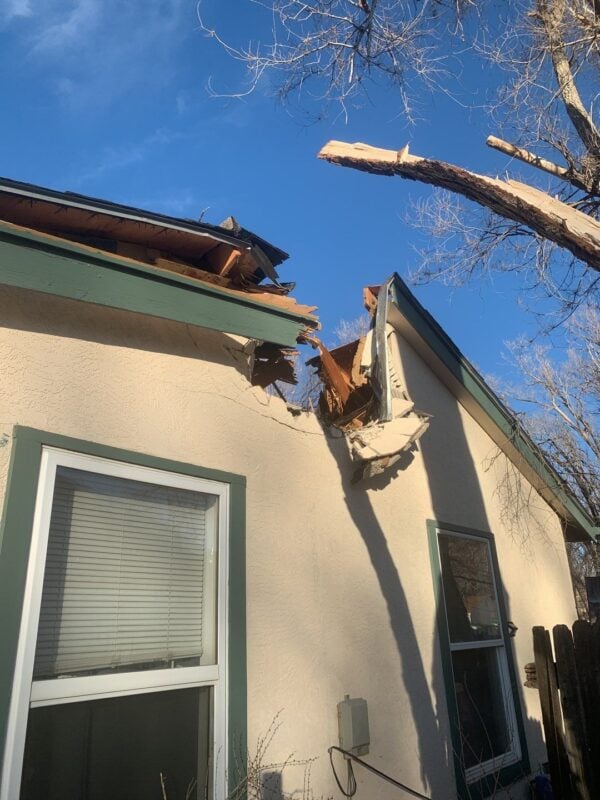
{"points": [[352, 787], [372, 769]]}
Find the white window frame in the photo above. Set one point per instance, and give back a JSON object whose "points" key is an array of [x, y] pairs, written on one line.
{"points": [[27, 693], [514, 753]]}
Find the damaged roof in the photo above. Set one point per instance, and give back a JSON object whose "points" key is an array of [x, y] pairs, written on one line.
{"points": [[364, 399], [25, 203], [224, 277], [217, 276]]}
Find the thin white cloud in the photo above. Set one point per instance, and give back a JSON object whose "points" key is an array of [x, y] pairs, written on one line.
{"points": [[114, 159], [70, 28], [11, 9], [182, 103], [93, 51], [178, 203]]}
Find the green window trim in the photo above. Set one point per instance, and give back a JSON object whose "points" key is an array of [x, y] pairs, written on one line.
{"points": [[508, 775], [15, 540]]}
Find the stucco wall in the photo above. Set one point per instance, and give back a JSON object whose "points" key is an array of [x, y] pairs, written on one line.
{"points": [[340, 595]]}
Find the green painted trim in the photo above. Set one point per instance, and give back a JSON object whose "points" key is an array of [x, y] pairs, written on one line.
{"points": [[237, 687], [15, 541], [32, 260], [508, 775], [460, 368]]}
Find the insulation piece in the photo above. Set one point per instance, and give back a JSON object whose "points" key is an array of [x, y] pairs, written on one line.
{"points": [[386, 439]]}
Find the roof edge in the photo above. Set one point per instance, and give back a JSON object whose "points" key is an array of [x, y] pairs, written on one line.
{"points": [[513, 437], [97, 205], [56, 243], [39, 262]]}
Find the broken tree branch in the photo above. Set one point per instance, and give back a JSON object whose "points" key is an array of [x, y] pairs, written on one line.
{"points": [[565, 174], [545, 215]]}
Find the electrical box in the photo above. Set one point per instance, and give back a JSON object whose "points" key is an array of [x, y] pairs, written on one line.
{"points": [[353, 724]]}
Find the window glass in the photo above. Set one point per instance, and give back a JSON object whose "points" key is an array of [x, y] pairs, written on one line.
{"points": [[481, 707], [83, 750], [469, 594], [130, 579]]}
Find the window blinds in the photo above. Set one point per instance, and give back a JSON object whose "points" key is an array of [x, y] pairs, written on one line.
{"points": [[130, 575]]}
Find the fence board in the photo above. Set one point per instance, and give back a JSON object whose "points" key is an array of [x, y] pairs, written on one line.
{"points": [[570, 700], [573, 714], [586, 640], [551, 716]]}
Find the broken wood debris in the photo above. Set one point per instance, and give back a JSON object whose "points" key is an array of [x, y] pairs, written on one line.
{"points": [[356, 378], [227, 250], [272, 363], [275, 296], [347, 398]]}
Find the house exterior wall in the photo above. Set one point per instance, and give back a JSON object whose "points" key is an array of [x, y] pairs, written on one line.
{"points": [[340, 593]]}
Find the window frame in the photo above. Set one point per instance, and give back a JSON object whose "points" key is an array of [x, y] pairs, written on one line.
{"points": [[481, 779], [36, 455]]}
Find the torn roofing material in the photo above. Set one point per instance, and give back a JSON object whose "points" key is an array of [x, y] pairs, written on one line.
{"points": [[101, 222], [365, 399], [113, 255]]}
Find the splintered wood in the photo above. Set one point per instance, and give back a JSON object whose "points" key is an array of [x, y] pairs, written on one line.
{"points": [[347, 398], [350, 400], [547, 216], [271, 295], [273, 363]]}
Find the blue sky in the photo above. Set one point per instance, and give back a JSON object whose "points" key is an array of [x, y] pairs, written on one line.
{"points": [[110, 99]]}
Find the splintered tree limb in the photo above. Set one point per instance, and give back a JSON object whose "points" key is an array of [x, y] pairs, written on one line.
{"points": [[545, 215], [575, 178]]}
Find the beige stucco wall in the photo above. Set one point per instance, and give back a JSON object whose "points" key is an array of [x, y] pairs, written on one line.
{"points": [[340, 595]]}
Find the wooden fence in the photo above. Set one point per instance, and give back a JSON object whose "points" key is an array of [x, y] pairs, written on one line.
{"points": [[568, 681]]}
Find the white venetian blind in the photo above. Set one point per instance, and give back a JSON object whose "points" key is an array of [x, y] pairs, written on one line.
{"points": [[130, 577]]}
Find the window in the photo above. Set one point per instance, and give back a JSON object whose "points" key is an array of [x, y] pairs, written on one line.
{"points": [[487, 732], [121, 677]]}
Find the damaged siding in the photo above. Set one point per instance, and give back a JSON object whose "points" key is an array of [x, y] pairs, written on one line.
{"points": [[363, 395]]}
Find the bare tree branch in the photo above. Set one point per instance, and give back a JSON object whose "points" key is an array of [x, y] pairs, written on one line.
{"points": [[570, 175], [338, 46], [566, 398]]}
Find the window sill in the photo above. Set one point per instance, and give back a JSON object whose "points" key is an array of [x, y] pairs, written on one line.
{"points": [[488, 785]]}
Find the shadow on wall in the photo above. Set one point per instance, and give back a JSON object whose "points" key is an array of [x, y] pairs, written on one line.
{"points": [[430, 739], [456, 499], [71, 319]]}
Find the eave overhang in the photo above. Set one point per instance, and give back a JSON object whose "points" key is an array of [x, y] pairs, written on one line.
{"points": [[150, 225], [41, 262], [424, 334]]}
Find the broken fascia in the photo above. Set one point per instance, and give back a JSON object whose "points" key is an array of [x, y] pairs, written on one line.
{"points": [[367, 401], [381, 443]]}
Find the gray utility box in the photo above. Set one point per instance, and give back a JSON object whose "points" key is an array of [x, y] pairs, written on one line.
{"points": [[353, 724]]}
